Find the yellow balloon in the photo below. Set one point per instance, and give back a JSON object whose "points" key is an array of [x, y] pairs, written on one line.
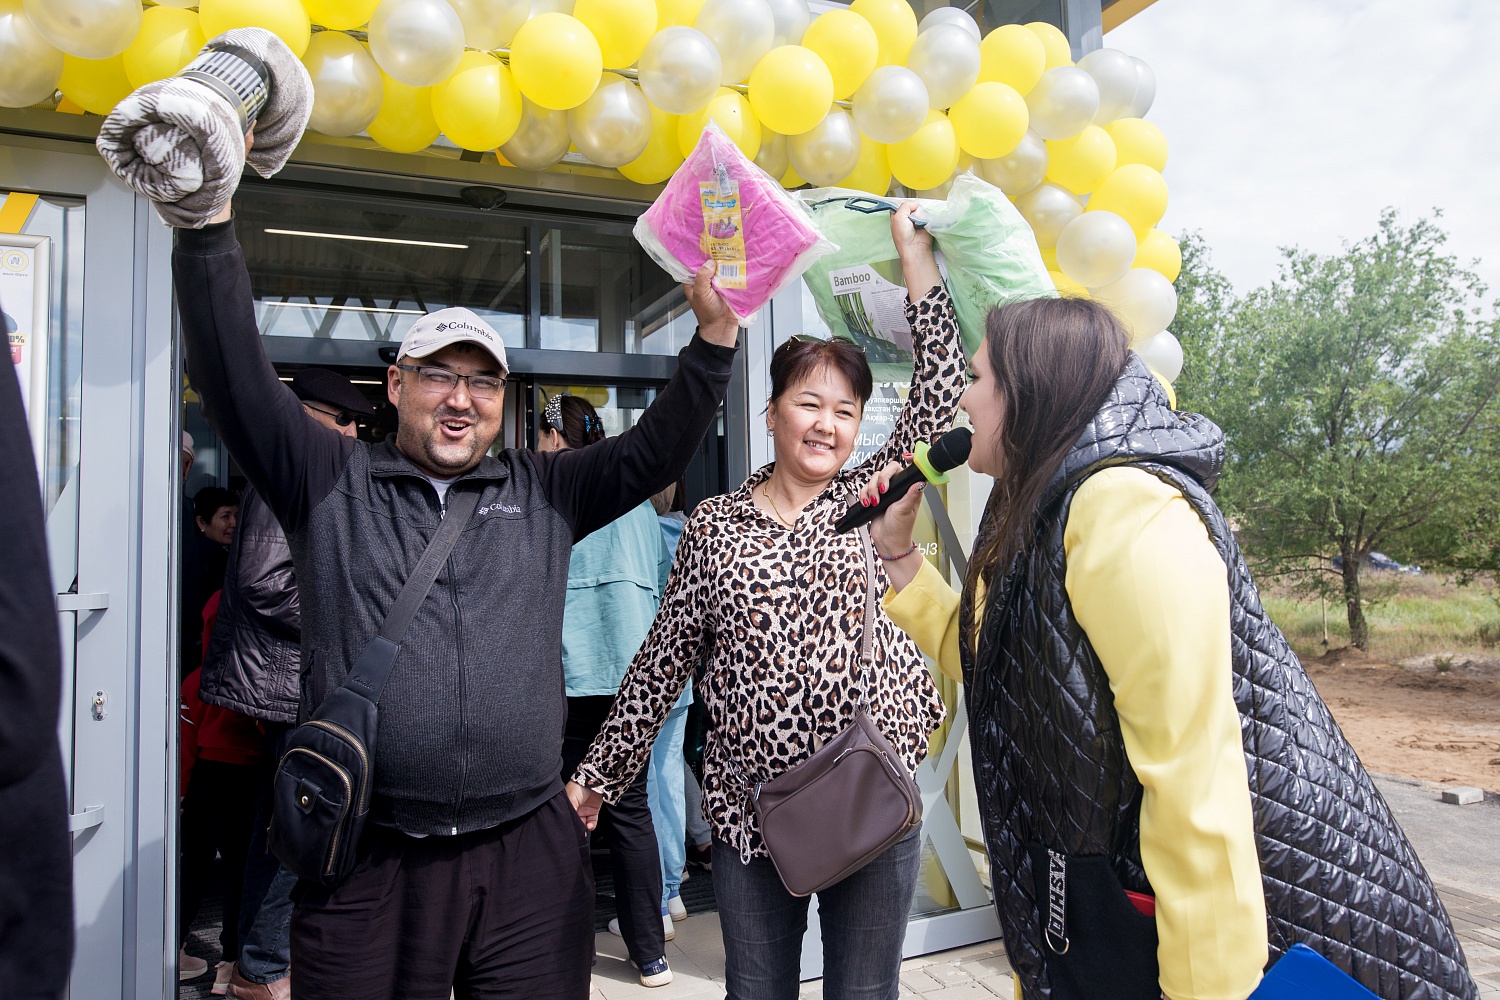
{"points": [[674, 12], [478, 107], [928, 158], [1081, 163], [556, 61], [1160, 253], [168, 40], [1135, 193], [895, 26], [662, 155], [340, 14], [874, 171], [734, 115], [405, 122], [1138, 141], [95, 85], [1171, 392], [622, 27], [1067, 286], [847, 43], [790, 179], [990, 120], [1049, 257], [1013, 56], [1059, 52], [284, 18], [791, 89]]}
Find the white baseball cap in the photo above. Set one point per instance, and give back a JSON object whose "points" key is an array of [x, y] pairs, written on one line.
{"points": [[453, 325]]}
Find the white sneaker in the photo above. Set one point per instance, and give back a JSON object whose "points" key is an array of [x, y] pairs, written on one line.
{"points": [[656, 973], [222, 973], [675, 908], [668, 930], [189, 967]]}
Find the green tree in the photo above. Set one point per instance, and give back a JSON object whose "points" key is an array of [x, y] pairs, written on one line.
{"points": [[1360, 393]]}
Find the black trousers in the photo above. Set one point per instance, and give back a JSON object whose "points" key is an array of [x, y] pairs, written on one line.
{"points": [[506, 912], [218, 815], [629, 835]]}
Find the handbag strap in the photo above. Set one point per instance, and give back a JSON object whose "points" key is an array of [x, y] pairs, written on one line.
{"points": [[867, 639], [373, 668]]}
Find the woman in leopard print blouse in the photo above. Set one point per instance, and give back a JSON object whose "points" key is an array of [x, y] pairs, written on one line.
{"points": [[773, 599]]}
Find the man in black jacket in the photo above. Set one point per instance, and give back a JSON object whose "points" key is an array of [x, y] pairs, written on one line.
{"points": [[475, 871]]}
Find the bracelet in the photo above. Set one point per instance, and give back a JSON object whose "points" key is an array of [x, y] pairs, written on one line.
{"points": [[901, 556]]}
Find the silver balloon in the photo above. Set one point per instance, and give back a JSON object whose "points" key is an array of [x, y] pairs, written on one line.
{"points": [[792, 18], [742, 31], [946, 57], [950, 15], [491, 24], [613, 126], [551, 7], [1096, 248], [828, 153], [1116, 75], [347, 88], [772, 156], [541, 139], [1163, 355], [1143, 299], [1145, 90], [1020, 170], [418, 42], [891, 104], [88, 29], [1048, 209], [680, 70], [29, 64], [1063, 103]]}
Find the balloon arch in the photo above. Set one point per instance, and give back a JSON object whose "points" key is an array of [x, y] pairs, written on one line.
{"points": [[855, 97]]}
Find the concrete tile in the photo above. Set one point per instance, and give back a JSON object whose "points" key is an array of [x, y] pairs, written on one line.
{"points": [[918, 981], [992, 966], [1001, 986], [948, 975], [969, 991]]}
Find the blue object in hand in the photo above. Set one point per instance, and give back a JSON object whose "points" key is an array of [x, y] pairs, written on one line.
{"points": [[1303, 974]]}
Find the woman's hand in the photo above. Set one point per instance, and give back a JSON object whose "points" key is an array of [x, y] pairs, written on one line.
{"points": [[716, 324], [891, 531], [586, 803], [914, 247]]}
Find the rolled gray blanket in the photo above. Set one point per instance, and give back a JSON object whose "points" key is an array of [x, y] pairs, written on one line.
{"points": [[180, 141]]}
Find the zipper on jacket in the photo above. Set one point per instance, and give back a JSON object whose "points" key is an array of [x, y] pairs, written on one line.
{"points": [[463, 750]]}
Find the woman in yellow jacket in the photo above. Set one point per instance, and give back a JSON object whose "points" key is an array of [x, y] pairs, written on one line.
{"points": [[1168, 805]]}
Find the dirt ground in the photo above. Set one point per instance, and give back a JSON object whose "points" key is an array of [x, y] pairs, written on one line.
{"points": [[1432, 717]]}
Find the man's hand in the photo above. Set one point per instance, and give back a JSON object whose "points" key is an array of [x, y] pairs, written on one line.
{"points": [[586, 802], [716, 324]]}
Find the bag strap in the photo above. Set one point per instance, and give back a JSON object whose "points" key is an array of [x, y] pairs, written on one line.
{"points": [[374, 665], [945, 529], [867, 639]]}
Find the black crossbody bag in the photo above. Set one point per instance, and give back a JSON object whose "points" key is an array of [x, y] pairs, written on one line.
{"points": [[321, 793]]}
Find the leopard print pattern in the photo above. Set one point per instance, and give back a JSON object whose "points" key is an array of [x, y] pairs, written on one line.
{"points": [[776, 614]]}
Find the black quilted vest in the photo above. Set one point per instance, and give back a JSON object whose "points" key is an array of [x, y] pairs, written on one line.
{"points": [[1050, 764]]}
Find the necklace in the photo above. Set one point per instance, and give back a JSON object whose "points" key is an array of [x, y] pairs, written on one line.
{"points": [[766, 492]]}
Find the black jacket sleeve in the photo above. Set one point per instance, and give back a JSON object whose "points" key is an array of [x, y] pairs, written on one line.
{"points": [[263, 576], [593, 486], [291, 459]]}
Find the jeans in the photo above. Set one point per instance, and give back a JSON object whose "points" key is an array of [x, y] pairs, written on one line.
{"points": [[266, 905], [698, 833], [664, 790], [863, 920]]}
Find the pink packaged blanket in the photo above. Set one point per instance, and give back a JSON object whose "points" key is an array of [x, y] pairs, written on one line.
{"points": [[721, 206]]}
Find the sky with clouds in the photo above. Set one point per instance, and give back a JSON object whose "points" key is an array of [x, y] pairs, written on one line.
{"points": [[1294, 122]]}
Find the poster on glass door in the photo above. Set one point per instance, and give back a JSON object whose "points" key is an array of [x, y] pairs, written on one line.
{"points": [[23, 316]]}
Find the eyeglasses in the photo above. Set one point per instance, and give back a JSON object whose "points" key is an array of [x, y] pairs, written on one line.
{"points": [[340, 418], [442, 380]]}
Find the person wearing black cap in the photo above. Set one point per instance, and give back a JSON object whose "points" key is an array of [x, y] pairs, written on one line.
{"points": [[253, 666]]}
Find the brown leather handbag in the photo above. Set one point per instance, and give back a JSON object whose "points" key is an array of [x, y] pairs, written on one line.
{"points": [[837, 811]]}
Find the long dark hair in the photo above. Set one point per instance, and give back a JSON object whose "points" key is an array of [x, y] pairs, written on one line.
{"points": [[575, 419], [1054, 362]]}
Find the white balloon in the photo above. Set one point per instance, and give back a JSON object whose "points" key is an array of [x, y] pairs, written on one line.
{"points": [[551, 7], [1163, 355], [1116, 75], [828, 153], [1143, 300], [541, 139], [88, 29], [680, 70], [1020, 170], [950, 15], [946, 57], [772, 156], [792, 18], [491, 24], [180, 4], [347, 89], [418, 42], [1096, 248], [1063, 103], [1048, 210], [29, 64], [613, 126], [891, 104], [742, 31], [1145, 90]]}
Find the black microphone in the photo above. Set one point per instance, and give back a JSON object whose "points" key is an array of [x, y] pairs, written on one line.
{"points": [[927, 464]]}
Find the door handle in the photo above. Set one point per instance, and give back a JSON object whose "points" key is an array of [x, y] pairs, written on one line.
{"points": [[91, 816], [82, 602]]}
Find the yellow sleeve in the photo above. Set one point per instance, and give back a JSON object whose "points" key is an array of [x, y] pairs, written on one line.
{"points": [[927, 610], [1150, 590]]}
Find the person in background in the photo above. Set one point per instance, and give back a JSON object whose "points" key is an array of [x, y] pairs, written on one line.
{"points": [[615, 579], [205, 554], [36, 866], [253, 665], [1147, 747]]}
